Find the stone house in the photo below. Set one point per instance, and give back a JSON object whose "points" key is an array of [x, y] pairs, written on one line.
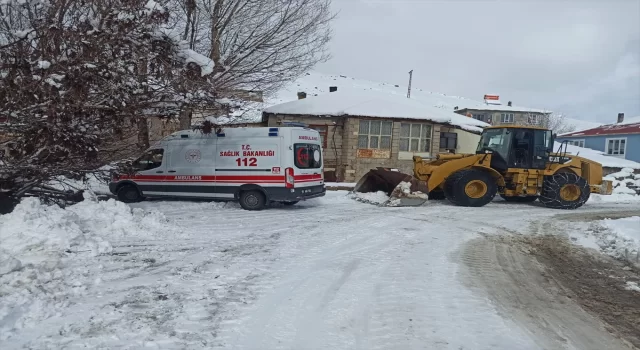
{"points": [[495, 113], [361, 130]]}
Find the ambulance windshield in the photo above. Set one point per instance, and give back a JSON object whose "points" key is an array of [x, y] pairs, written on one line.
{"points": [[307, 156], [150, 160]]}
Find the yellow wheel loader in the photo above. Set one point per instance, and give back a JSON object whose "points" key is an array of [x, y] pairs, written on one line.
{"points": [[516, 162]]}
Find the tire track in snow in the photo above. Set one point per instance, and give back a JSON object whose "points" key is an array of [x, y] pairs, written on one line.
{"points": [[516, 283]]}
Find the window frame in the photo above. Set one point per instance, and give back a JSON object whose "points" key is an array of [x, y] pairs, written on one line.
{"points": [[428, 138], [503, 115], [619, 139], [307, 146], [573, 141], [444, 136], [536, 117], [152, 151], [379, 136], [480, 116]]}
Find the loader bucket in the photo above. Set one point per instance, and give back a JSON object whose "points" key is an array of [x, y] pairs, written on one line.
{"points": [[403, 190]]}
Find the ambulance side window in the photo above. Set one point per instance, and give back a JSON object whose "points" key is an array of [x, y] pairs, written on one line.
{"points": [[307, 156], [150, 160]]}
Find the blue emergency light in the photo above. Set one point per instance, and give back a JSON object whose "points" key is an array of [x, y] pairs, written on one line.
{"points": [[273, 131], [302, 125]]}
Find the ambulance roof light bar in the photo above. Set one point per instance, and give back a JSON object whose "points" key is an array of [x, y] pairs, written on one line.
{"points": [[302, 125]]}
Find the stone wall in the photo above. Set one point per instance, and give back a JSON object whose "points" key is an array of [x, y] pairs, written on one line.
{"points": [[344, 162]]}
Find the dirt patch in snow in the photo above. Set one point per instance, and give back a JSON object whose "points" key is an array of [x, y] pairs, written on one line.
{"points": [[565, 295], [597, 282]]}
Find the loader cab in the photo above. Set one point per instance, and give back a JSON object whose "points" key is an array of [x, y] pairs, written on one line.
{"points": [[516, 147]]}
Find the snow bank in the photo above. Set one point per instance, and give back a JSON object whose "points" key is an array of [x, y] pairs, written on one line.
{"points": [[626, 228], [619, 238], [615, 197], [44, 252]]}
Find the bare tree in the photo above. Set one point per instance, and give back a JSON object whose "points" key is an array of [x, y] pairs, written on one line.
{"points": [[558, 123], [553, 121], [76, 77], [257, 45]]}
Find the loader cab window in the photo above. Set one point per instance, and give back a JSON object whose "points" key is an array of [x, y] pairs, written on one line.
{"points": [[495, 140], [149, 160], [531, 148], [543, 147]]}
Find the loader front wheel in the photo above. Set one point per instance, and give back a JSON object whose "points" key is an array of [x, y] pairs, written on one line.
{"points": [[470, 188], [564, 191]]}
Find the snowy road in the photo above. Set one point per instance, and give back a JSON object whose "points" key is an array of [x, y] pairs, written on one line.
{"points": [[331, 273]]}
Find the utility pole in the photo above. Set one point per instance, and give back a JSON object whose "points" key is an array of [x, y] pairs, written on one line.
{"points": [[409, 89]]}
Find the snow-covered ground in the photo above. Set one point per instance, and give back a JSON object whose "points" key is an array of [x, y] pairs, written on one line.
{"points": [[619, 238], [329, 273]]}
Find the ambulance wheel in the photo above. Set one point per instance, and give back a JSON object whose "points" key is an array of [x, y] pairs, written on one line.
{"points": [[290, 203], [252, 200], [129, 194]]}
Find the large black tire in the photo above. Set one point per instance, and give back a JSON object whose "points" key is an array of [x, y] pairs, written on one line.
{"points": [[436, 195], [252, 200], [470, 188], [129, 194], [527, 199], [564, 191]]}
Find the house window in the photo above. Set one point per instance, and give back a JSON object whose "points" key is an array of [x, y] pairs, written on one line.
{"points": [[415, 137], [534, 119], [480, 117], [374, 134], [579, 143], [323, 130], [616, 147], [507, 117], [448, 140]]}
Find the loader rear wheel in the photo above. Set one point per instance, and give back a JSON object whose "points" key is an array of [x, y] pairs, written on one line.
{"points": [[564, 191], [470, 188], [527, 199]]}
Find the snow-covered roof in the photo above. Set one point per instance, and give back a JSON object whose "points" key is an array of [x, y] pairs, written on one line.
{"points": [[629, 126], [579, 125], [503, 108], [314, 83], [597, 156], [351, 102]]}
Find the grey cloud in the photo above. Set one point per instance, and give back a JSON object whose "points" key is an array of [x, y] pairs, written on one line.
{"points": [[576, 57]]}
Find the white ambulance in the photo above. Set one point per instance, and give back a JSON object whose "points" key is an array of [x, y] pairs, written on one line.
{"points": [[255, 166]]}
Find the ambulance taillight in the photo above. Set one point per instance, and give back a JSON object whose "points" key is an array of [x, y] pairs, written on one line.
{"points": [[289, 181]]}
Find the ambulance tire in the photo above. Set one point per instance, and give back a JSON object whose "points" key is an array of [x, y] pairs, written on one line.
{"points": [[252, 200], [129, 194]]}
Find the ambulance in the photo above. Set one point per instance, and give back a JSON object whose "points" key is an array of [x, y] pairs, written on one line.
{"points": [[255, 166]]}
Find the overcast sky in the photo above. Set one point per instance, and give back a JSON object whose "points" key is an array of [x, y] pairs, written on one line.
{"points": [[579, 57]]}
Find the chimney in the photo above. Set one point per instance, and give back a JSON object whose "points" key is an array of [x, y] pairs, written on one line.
{"points": [[302, 95], [620, 117], [333, 88], [509, 103]]}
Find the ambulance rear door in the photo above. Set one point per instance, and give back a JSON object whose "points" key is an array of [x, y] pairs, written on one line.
{"points": [[307, 158]]}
